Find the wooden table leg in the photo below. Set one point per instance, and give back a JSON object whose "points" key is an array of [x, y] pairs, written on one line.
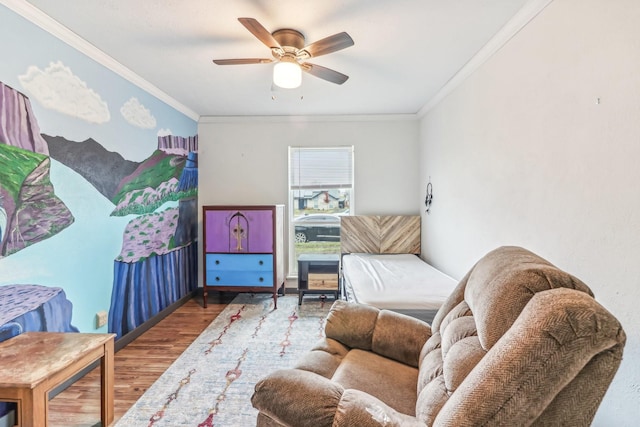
{"points": [[33, 407], [107, 384]]}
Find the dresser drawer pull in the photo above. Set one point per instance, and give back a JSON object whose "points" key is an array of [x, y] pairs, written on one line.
{"points": [[217, 262], [261, 279], [217, 279], [261, 262]]}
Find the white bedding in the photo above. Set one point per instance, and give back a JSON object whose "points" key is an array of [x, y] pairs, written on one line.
{"points": [[395, 282]]}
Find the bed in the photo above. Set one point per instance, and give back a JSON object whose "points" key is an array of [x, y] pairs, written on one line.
{"points": [[380, 266]]}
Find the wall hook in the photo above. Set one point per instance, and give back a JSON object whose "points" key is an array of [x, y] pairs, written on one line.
{"points": [[429, 198]]}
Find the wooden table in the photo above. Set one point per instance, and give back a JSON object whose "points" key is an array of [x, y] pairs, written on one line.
{"points": [[33, 363]]}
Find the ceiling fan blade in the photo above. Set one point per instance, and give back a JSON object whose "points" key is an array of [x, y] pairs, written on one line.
{"points": [[329, 44], [325, 73], [259, 31], [242, 61]]}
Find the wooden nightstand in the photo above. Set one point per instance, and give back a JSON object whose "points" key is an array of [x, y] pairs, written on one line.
{"points": [[318, 274]]}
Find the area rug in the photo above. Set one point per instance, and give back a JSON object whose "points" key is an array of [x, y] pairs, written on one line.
{"points": [[211, 383]]}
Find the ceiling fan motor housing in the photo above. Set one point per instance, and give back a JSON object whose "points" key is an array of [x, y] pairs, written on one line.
{"points": [[289, 38]]}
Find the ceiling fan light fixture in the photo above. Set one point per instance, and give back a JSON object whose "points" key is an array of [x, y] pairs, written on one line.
{"points": [[287, 73], [290, 53]]}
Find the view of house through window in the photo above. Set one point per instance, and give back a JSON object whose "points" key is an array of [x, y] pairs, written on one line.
{"points": [[320, 191]]}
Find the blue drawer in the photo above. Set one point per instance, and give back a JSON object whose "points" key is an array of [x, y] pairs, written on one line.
{"points": [[239, 270], [240, 278], [225, 262]]}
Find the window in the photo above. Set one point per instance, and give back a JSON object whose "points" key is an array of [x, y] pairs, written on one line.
{"points": [[320, 191]]}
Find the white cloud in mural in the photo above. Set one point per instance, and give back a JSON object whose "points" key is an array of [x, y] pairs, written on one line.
{"points": [[136, 114], [164, 132], [58, 89]]}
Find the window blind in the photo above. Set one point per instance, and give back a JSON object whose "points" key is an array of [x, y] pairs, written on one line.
{"points": [[320, 168]]}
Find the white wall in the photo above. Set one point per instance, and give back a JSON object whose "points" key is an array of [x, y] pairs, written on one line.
{"points": [[522, 153], [244, 160]]}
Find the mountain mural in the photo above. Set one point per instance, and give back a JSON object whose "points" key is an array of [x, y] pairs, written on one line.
{"points": [[157, 263], [154, 182], [29, 209], [18, 125], [173, 144], [103, 169]]}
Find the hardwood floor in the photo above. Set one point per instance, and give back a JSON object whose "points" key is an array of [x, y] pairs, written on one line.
{"points": [[137, 365]]}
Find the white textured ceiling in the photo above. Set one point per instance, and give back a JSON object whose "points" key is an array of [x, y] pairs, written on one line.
{"points": [[405, 50]]}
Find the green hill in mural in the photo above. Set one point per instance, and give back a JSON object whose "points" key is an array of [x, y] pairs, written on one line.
{"points": [[31, 211], [15, 165], [153, 183]]}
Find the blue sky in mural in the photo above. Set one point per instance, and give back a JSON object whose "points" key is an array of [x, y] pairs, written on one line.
{"points": [[90, 100]]}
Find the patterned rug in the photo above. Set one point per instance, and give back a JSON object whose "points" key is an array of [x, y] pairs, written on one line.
{"points": [[211, 383]]}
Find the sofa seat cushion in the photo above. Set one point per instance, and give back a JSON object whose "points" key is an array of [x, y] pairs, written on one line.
{"points": [[392, 382], [324, 358]]}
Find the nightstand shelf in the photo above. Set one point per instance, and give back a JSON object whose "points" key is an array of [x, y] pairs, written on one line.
{"points": [[318, 274]]}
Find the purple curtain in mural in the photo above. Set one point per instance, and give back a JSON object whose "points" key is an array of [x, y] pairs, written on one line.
{"points": [[142, 289]]}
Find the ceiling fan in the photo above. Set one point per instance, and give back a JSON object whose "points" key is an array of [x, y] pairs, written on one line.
{"points": [[290, 53]]}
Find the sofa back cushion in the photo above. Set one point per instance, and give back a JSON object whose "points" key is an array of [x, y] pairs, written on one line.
{"points": [[480, 312], [502, 283]]}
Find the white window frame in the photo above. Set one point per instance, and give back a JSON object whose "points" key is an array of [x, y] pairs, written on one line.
{"points": [[301, 184]]}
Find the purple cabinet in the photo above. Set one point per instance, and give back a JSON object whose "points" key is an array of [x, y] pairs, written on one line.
{"points": [[239, 231], [234, 238]]}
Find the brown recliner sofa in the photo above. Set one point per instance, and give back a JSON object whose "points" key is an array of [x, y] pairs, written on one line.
{"points": [[519, 342]]}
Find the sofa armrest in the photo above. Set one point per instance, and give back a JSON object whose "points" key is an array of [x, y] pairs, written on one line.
{"points": [[387, 333], [361, 409], [298, 398]]}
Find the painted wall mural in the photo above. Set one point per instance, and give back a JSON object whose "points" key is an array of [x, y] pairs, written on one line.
{"points": [[157, 262], [98, 192]]}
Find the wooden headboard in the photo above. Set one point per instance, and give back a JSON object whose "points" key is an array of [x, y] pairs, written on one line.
{"points": [[380, 234]]}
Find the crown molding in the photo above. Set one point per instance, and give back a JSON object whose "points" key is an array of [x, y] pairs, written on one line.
{"points": [[53, 27], [501, 38], [310, 118]]}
